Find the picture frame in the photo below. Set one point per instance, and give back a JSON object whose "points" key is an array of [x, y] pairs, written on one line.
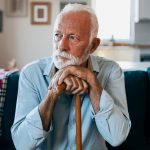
{"points": [[16, 8], [40, 13], [1, 21]]}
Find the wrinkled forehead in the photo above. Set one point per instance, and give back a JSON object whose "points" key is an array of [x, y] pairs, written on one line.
{"points": [[73, 18]]}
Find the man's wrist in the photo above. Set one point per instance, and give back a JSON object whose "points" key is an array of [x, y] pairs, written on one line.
{"points": [[90, 77], [92, 80], [52, 96]]}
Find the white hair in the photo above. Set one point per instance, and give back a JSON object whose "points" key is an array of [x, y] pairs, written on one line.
{"points": [[78, 8]]}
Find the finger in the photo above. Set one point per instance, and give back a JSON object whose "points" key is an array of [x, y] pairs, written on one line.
{"points": [[80, 86], [63, 76], [75, 83], [68, 83], [54, 82], [75, 71], [85, 87]]}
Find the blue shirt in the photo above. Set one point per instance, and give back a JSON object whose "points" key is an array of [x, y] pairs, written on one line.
{"points": [[111, 123]]}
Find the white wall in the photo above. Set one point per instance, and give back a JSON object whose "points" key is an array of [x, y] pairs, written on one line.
{"points": [[23, 41]]}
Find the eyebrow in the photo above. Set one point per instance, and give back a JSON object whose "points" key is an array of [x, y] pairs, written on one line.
{"points": [[74, 34], [57, 32]]}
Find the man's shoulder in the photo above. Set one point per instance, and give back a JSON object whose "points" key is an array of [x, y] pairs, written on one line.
{"points": [[107, 69], [37, 65], [105, 63]]}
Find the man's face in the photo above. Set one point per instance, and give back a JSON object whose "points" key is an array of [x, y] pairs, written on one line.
{"points": [[71, 39]]}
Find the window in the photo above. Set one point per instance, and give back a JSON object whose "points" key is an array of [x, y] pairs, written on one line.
{"points": [[114, 19]]}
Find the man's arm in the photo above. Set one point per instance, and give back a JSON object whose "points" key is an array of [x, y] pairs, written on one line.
{"points": [[27, 123], [72, 85], [33, 116], [46, 109], [109, 105], [113, 120]]}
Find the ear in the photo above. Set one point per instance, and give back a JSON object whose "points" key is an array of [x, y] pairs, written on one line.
{"points": [[95, 44]]}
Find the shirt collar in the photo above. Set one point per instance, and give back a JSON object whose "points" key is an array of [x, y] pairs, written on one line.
{"points": [[50, 67], [93, 64]]}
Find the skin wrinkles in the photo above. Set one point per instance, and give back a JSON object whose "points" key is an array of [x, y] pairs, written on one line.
{"points": [[77, 27], [72, 47]]}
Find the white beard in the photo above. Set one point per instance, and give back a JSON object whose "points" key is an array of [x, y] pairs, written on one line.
{"points": [[70, 59]]}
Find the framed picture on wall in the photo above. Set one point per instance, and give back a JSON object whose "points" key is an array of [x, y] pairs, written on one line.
{"points": [[1, 20], [40, 13], [16, 8]]}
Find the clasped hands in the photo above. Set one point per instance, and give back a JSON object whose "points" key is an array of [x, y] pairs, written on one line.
{"points": [[78, 80]]}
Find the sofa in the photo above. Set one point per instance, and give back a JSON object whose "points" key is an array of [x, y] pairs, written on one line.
{"points": [[137, 84], [6, 142]]}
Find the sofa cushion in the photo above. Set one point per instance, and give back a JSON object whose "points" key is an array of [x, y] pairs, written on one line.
{"points": [[137, 91]]}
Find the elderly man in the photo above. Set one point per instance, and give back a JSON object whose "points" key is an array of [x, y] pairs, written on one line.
{"points": [[45, 118]]}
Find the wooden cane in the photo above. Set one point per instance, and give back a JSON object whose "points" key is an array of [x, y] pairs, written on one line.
{"points": [[78, 124], [61, 88]]}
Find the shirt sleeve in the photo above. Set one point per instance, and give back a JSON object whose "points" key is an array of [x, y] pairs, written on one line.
{"points": [[27, 123], [113, 120]]}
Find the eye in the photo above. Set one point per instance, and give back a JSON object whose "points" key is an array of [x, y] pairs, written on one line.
{"points": [[73, 38], [57, 36]]}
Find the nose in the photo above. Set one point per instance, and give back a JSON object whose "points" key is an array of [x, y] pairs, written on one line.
{"points": [[63, 44]]}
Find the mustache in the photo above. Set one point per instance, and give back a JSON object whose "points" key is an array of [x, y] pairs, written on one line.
{"points": [[64, 54]]}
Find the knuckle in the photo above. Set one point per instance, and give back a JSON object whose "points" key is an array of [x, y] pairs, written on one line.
{"points": [[76, 87], [80, 88], [68, 87], [69, 84], [86, 87]]}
